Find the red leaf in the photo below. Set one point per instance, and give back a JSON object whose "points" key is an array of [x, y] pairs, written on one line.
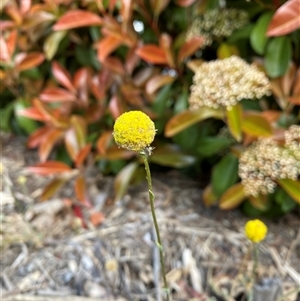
{"points": [[31, 60], [165, 43], [14, 13], [106, 46], [82, 155], [158, 81], [80, 126], [36, 138], [294, 99], [6, 24], [54, 94], [81, 191], [189, 48], [25, 6], [81, 78], [115, 107], [82, 83], [114, 64], [49, 114], [78, 213], [32, 113], [103, 142], [97, 218], [77, 18], [185, 3], [285, 20], [11, 43], [4, 52], [131, 61], [48, 143], [153, 54], [62, 76], [126, 10], [49, 168], [71, 143]]}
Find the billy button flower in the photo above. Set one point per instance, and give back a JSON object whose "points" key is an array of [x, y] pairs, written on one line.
{"points": [[134, 131], [256, 230]]}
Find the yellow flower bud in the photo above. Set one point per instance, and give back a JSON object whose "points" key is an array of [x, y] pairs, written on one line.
{"points": [[256, 230], [134, 131]]}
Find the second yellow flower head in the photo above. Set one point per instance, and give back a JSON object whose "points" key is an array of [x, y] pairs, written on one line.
{"points": [[134, 131], [256, 230]]}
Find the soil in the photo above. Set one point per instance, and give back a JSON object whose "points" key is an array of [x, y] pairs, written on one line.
{"points": [[49, 253]]}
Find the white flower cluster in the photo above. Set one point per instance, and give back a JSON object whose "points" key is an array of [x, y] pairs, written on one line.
{"points": [[217, 23], [226, 82], [292, 140], [264, 162]]}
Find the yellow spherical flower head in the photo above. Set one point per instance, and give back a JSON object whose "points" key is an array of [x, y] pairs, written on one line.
{"points": [[256, 230], [134, 131]]}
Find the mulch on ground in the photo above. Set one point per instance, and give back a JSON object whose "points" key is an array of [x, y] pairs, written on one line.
{"points": [[47, 254]]}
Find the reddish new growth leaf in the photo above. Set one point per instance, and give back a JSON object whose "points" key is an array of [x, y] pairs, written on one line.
{"points": [[30, 61], [185, 3], [152, 54], [189, 48], [77, 18], [62, 76], [49, 168], [286, 19], [82, 155]]}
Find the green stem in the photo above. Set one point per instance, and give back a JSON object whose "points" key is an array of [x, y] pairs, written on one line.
{"points": [[159, 244], [255, 251]]}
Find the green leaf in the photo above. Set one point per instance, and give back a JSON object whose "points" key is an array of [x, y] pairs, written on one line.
{"points": [[87, 57], [5, 115], [258, 38], [292, 188], [187, 118], [52, 42], [123, 179], [256, 125], [232, 197], [170, 155], [181, 103], [188, 138], [234, 121], [209, 146], [52, 188], [240, 34], [28, 125], [161, 99], [249, 210], [278, 55], [285, 201], [224, 174]]}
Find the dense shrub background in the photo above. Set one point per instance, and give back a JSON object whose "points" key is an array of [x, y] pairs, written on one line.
{"points": [[70, 68]]}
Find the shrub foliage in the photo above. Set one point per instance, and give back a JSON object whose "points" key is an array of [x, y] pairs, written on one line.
{"points": [[221, 80]]}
